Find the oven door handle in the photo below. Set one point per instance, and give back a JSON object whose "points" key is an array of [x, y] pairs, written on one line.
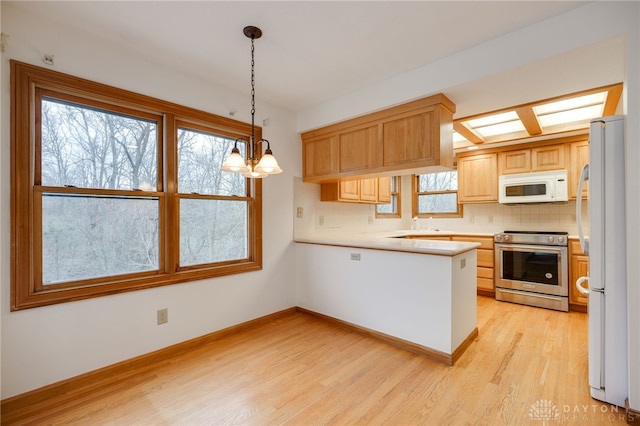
{"points": [[582, 289], [532, 248]]}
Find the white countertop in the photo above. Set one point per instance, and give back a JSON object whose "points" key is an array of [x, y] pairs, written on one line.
{"points": [[392, 241]]}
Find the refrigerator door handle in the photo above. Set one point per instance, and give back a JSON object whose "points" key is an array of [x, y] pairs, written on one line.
{"points": [[584, 242], [582, 289]]}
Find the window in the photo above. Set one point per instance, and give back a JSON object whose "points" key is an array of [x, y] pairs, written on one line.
{"points": [[436, 194], [392, 209], [114, 191]]}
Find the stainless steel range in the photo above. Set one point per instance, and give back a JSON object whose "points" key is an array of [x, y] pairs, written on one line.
{"points": [[532, 268]]}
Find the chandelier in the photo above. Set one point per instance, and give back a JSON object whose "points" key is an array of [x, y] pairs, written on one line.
{"points": [[255, 167]]}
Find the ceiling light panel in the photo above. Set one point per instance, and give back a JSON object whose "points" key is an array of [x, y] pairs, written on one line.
{"points": [[572, 103], [492, 119], [501, 128], [571, 116]]}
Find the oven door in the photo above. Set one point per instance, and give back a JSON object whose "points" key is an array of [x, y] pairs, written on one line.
{"points": [[540, 269]]}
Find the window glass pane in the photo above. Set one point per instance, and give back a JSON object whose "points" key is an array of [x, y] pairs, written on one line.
{"points": [[388, 208], [89, 237], [90, 148], [200, 156], [213, 231], [438, 203], [443, 181]]}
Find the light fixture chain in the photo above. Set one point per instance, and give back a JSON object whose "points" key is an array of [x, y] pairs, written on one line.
{"points": [[253, 99]]}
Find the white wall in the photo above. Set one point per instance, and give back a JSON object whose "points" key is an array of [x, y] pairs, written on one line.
{"points": [[48, 344]]}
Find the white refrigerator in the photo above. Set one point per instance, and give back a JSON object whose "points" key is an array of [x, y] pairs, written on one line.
{"points": [[604, 243]]}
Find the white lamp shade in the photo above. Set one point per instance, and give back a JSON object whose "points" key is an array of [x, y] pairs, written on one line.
{"points": [[254, 174], [268, 165], [235, 164]]}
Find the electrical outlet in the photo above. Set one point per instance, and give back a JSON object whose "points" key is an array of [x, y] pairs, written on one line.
{"points": [[321, 221], [163, 316], [472, 219], [299, 212], [490, 218], [355, 256], [370, 220]]}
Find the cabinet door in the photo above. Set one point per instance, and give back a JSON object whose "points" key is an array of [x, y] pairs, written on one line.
{"points": [[349, 190], [549, 157], [578, 267], [518, 161], [478, 178], [409, 140], [359, 149], [321, 157], [578, 157], [485, 279], [384, 190], [369, 190]]}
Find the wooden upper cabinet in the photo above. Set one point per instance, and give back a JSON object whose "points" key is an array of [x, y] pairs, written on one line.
{"points": [[518, 161], [416, 137], [366, 191], [578, 157], [359, 150], [384, 189], [320, 157], [537, 159], [369, 190], [478, 178], [350, 190], [409, 139], [550, 157]]}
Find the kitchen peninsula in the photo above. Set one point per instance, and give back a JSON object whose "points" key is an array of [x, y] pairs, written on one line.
{"points": [[418, 294]]}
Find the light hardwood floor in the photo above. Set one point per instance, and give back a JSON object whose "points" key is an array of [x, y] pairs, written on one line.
{"points": [[300, 370]]}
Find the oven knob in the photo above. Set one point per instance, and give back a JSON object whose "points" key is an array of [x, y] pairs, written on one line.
{"points": [[507, 237], [550, 239], [561, 239]]}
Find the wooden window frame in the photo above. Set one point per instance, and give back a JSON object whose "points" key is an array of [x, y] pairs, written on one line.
{"points": [[397, 180], [26, 289], [414, 201]]}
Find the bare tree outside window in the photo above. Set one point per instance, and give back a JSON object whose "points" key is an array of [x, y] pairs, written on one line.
{"points": [[90, 235], [436, 194], [210, 230]]}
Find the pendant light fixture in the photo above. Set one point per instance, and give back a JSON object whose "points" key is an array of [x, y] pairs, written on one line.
{"points": [[267, 164]]}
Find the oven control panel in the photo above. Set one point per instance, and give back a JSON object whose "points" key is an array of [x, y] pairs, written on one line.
{"points": [[530, 237]]}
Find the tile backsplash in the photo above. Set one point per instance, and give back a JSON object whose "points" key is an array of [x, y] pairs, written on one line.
{"points": [[490, 218]]}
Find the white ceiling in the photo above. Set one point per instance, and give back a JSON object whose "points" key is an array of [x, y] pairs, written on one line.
{"points": [[315, 51]]}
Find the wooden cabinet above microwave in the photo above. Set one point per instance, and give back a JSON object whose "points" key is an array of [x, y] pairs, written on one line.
{"points": [[416, 137], [537, 159]]}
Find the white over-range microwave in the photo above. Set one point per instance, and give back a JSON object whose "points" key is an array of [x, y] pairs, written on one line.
{"points": [[539, 187]]}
